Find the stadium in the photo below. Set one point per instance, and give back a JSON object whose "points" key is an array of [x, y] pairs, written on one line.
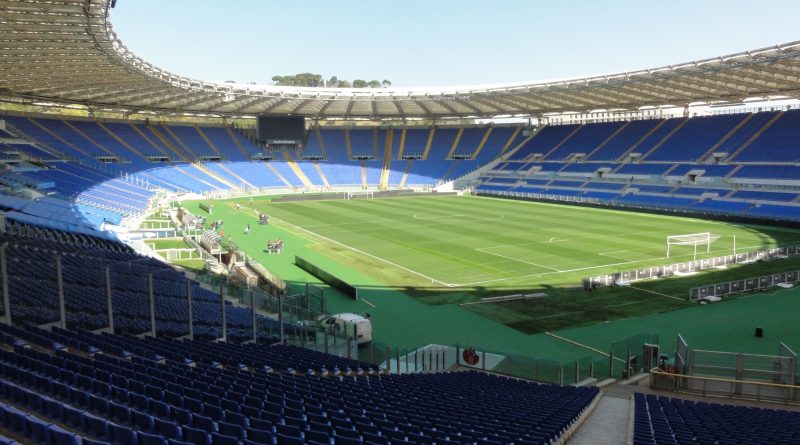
{"points": [[595, 260]]}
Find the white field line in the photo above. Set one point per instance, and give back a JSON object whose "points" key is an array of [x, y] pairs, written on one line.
{"points": [[479, 264], [613, 251], [564, 314], [616, 257], [363, 253], [556, 240], [628, 303], [541, 274], [560, 314], [519, 260], [657, 293], [536, 275], [434, 220], [390, 245], [483, 249]]}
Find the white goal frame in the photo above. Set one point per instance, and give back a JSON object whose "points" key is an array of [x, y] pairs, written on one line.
{"points": [[360, 194], [692, 239]]}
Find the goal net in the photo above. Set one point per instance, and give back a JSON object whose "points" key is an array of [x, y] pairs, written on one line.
{"points": [[692, 239], [359, 195]]}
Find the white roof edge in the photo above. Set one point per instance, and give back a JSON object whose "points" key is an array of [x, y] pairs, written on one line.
{"points": [[458, 90]]}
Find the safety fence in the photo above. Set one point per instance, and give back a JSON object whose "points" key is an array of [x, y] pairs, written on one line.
{"points": [[688, 266], [721, 387], [743, 285], [622, 359], [730, 374]]}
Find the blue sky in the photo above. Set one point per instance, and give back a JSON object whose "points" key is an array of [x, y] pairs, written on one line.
{"points": [[442, 42]]}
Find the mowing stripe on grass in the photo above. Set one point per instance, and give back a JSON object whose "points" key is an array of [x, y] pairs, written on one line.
{"points": [[361, 252], [442, 237]]}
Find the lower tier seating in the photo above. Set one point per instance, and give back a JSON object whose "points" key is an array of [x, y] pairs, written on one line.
{"points": [[60, 397], [666, 421]]}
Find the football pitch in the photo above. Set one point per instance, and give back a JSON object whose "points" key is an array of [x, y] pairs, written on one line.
{"points": [[488, 244], [422, 265]]}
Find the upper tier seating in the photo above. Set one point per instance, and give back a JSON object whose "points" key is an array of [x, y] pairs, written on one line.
{"points": [[778, 143], [695, 138], [630, 134], [685, 157], [547, 139], [585, 140], [672, 150], [653, 139]]}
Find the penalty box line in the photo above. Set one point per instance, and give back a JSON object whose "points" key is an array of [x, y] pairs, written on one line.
{"points": [[481, 249], [541, 274], [364, 253]]}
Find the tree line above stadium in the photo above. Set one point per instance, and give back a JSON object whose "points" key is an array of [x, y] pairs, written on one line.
{"points": [[316, 80]]}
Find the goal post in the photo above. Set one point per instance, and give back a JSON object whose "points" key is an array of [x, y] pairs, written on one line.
{"points": [[691, 239], [360, 194]]}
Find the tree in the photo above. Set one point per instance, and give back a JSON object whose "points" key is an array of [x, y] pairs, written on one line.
{"points": [[316, 80]]}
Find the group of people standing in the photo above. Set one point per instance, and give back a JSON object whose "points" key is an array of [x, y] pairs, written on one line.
{"points": [[275, 246]]}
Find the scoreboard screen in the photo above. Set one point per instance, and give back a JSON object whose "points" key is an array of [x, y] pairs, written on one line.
{"points": [[281, 130]]}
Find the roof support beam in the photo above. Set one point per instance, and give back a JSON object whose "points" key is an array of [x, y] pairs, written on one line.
{"points": [[447, 106], [300, 106], [486, 101], [350, 106], [424, 108], [127, 95], [275, 105], [168, 99], [507, 100], [467, 104], [244, 103]]}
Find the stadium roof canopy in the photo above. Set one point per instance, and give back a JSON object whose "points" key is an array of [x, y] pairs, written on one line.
{"points": [[66, 52]]}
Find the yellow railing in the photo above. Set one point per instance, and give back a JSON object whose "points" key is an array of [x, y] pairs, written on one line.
{"points": [[722, 387]]}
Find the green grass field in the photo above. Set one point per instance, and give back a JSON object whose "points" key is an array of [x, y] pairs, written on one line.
{"points": [[167, 244], [491, 244], [430, 259]]}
